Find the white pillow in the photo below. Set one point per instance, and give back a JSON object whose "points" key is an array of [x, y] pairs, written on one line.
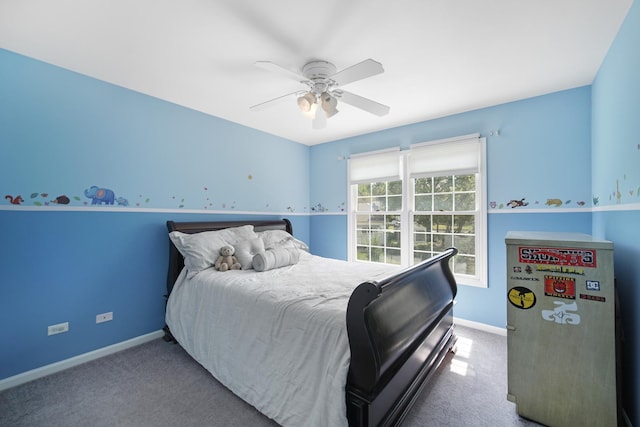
{"points": [[246, 249], [275, 258], [200, 250], [274, 239]]}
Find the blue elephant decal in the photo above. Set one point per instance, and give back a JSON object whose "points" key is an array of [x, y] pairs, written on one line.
{"points": [[100, 195]]}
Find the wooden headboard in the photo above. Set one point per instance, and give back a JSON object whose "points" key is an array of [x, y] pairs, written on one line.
{"points": [[176, 260]]}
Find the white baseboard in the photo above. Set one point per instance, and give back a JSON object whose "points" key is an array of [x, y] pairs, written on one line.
{"points": [[480, 326], [76, 360]]}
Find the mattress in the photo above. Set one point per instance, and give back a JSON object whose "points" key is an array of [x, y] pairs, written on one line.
{"points": [[277, 338]]}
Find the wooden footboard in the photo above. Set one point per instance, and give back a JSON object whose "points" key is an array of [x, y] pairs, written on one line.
{"points": [[399, 331]]}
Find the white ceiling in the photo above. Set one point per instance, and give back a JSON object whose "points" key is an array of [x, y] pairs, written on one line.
{"points": [[440, 56]]}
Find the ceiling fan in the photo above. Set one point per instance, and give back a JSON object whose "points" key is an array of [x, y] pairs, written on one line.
{"points": [[320, 101]]}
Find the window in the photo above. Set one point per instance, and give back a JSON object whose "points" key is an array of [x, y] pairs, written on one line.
{"points": [[378, 222], [445, 216], [407, 206]]}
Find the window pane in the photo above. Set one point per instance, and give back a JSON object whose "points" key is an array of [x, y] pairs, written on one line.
{"points": [[465, 244], [363, 253], [377, 221], [443, 202], [421, 256], [364, 204], [463, 264], [364, 189], [423, 203], [393, 222], [379, 204], [465, 202], [423, 186], [443, 184], [442, 242], [422, 242], [393, 256], [363, 238], [379, 188], [393, 240], [442, 223], [377, 238], [422, 223], [362, 221], [377, 255], [465, 183], [395, 187], [394, 203], [464, 224]]}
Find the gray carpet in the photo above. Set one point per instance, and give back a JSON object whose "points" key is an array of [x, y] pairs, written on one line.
{"points": [[158, 384]]}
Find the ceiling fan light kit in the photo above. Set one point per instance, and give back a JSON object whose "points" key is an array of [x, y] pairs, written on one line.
{"points": [[329, 104], [306, 101], [323, 82]]}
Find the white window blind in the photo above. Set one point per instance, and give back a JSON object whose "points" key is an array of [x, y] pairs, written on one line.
{"points": [[445, 158], [378, 166]]}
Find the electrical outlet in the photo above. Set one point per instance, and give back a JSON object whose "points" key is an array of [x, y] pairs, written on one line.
{"points": [[104, 317], [58, 329]]}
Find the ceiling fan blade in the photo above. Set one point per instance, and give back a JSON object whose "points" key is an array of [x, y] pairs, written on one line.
{"points": [[320, 120], [274, 68], [359, 71], [283, 98], [365, 104]]}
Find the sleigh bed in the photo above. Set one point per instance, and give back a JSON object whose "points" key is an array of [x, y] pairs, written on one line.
{"points": [[314, 341]]}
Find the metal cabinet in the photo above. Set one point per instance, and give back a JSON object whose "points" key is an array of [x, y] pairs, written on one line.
{"points": [[561, 328]]}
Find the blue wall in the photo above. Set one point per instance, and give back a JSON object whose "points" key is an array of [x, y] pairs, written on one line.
{"points": [[60, 134], [63, 132], [616, 181], [70, 266], [542, 152]]}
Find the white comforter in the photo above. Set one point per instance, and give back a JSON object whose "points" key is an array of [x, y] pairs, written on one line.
{"points": [[278, 338]]}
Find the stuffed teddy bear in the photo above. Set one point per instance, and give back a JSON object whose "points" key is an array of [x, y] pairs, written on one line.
{"points": [[226, 260]]}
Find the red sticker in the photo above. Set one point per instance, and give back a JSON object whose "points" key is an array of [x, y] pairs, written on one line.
{"points": [[558, 256], [560, 287], [592, 297]]}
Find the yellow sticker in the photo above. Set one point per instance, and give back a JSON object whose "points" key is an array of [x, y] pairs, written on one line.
{"points": [[521, 297]]}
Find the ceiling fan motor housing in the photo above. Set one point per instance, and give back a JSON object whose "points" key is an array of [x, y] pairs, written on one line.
{"points": [[319, 73]]}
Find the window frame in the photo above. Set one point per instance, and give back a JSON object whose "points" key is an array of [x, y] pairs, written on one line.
{"points": [[408, 210]]}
